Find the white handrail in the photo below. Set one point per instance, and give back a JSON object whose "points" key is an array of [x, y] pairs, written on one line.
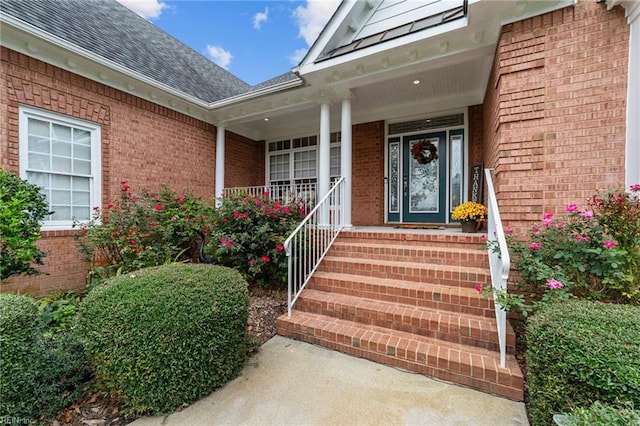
{"points": [[499, 263], [310, 241]]}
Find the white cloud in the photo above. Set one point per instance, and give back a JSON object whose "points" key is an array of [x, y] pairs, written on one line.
{"points": [[219, 56], [297, 56], [259, 18], [312, 18], [148, 9]]}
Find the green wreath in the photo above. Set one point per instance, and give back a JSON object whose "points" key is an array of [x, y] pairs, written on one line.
{"points": [[420, 147]]}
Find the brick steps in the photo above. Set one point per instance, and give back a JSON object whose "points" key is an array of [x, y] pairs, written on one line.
{"points": [[449, 326], [466, 365], [459, 256], [421, 239], [441, 297], [408, 300], [453, 275]]}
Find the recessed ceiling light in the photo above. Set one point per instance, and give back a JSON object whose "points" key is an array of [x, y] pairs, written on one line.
{"points": [[266, 119], [416, 82]]}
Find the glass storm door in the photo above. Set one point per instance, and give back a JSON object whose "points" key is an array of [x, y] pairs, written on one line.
{"points": [[417, 192]]}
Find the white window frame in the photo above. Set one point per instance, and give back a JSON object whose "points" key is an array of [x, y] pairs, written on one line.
{"points": [[95, 180], [292, 151]]}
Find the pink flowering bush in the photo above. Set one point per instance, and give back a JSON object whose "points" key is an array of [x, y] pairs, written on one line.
{"points": [[249, 234], [143, 229], [590, 252]]}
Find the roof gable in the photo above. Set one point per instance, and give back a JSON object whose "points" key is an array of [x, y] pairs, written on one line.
{"points": [[363, 24]]}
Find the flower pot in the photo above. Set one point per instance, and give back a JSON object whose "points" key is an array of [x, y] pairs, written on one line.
{"points": [[469, 226]]}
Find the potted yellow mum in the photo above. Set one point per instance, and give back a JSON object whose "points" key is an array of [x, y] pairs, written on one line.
{"points": [[469, 214]]}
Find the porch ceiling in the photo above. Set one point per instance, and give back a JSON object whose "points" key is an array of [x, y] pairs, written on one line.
{"points": [[451, 85]]}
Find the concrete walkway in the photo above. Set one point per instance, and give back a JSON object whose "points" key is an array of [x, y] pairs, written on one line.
{"points": [[295, 383]]}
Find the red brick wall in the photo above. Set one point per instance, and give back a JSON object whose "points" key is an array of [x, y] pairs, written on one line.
{"points": [[144, 143], [476, 128], [244, 161], [555, 107], [367, 174]]}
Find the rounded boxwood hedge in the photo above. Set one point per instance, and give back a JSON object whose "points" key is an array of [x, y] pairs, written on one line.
{"points": [[164, 336], [580, 352], [39, 375]]}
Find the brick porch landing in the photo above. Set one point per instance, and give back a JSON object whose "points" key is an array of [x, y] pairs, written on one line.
{"points": [[406, 298]]}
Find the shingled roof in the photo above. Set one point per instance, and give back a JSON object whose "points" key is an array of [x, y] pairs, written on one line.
{"points": [[110, 30]]}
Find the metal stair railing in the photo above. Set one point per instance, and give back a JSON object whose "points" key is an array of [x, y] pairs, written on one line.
{"points": [[499, 263], [310, 241]]}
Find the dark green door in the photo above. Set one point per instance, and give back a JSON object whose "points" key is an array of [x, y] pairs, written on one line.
{"points": [[424, 186]]}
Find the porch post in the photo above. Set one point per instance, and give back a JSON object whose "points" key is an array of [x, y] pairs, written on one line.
{"points": [[345, 159], [324, 160], [219, 188]]}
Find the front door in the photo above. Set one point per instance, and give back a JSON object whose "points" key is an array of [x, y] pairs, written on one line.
{"points": [[417, 181]]}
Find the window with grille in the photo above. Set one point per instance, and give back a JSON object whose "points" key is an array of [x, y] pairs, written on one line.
{"points": [[296, 160], [61, 155]]}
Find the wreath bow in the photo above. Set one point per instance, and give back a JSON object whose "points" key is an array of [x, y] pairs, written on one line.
{"points": [[420, 147]]}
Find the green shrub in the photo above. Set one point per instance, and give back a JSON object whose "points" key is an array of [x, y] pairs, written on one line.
{"points": [[579, 352], [57, 311], [590, 253], [143, 229], [38, 376], [163, 336], [249, 233], [599, 414], [22, 209]]}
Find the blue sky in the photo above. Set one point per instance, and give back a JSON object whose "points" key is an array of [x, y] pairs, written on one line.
{"points": [[255, 40]]}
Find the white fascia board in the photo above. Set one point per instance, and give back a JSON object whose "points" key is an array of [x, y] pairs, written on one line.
{"points": [[257, 93]]}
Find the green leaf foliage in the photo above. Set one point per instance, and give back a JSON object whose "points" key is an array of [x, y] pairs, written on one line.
{"points": [[22, 209], [38, 375], [164, 336], [580, 352], [599, 414]]}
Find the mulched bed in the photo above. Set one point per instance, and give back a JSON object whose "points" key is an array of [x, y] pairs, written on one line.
{"points": [[104, 410]]}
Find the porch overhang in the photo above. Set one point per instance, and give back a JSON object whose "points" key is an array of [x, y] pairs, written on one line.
{"points": [[452, 63]]}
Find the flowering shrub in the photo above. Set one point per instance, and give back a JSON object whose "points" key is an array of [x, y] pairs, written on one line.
{"points": [[591, 253], [469, 211], [145, 229], [249, 235]]}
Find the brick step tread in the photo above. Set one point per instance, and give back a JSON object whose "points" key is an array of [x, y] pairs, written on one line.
{"points": [[446, 297], [399, 264], [467, 329], [454, 275], [417, 238], [467, 365], [403, 247], [437, 254]]}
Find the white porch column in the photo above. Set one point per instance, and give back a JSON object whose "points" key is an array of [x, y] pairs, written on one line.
{"points": [[345, 158], [324, 159], [633, 96], [219, 188], [632, 157]]}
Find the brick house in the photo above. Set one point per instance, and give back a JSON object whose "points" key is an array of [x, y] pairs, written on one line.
{"points": [[540, 91]]}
